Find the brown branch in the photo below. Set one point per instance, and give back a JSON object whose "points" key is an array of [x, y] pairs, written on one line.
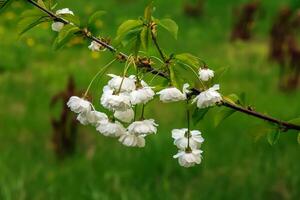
{"points": [[149, 68]]}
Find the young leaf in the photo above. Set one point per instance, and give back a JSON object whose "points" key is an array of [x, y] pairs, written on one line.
{"points": [[295, 121], [298, 138], [174, 79], [169, 25], [232, 98], [199, 114], [96, 16], [219, 73], [188, 59], [72, 19], [128, 26], [223, 114], [66, 33], [41, 3], [145, 37], [30, 22], [148, 12], [3, 3], [273, 137]]}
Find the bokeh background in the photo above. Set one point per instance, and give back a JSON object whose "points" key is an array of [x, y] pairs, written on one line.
{"points": [[238, 162]]}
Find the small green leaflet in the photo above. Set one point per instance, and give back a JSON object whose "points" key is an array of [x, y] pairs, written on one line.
{"points": [[145, 37], [66, 33], [95, 16], [199, 114], [72, 19], [273, 136], [126, 27], [28, 23], [223, 114], [188, 59], [295, 121], [148, 12], [169, 25], [298, 138]]}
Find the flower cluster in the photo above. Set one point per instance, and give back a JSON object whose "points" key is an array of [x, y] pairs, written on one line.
{"points": [[119, 96], [188, 142]]}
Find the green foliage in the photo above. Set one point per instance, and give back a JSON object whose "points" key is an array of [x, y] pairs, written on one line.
{"points": [[30, 19], [145, 37], [199, 114], [222, 114], [188, 59], [295, 121], [94, 17], [42, 4], [72, 19], [298, 138], [64, 36], [128, 27], [273, 136], [169, 25], [4, 3], [219, 73], [148, 12]]}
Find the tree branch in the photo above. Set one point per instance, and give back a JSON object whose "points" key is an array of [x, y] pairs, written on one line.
{"points": [[149, 68]]}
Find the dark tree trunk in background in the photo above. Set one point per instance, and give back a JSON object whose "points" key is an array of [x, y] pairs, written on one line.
{"points": [[65, 127], [193, 9], [284, 48], [245, 18]]}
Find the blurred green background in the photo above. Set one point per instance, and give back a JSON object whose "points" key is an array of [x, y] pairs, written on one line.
{"points": [[237, 163]]}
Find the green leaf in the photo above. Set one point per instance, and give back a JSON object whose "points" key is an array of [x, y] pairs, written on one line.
{"points": [[188, 59], [30, 22], [232, 98], [223, 114], [32, 13], [4, 3], [42, 4], [128, 26], [273, 137], [72, 19], [174, 79], [148, 12], [145, 37], [219, 73], [169, 25], [295, 121], [298, 138], [199, 114], [95, 16], [66, 33]]}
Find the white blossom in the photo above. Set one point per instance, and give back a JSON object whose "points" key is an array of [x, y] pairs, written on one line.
{"points": [[91, 117], [64, 11], [132, 140], [111, 101], [208, 98], [57, 26], [95, 46], [112, 129], [142, 95], [79, 105], [125, 116], [205, 74], [143, 128], [128, 83], [188, 159], [181, 139], [173, 94]]}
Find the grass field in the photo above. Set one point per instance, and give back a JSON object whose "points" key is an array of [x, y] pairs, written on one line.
{"points": [[236, 163]]}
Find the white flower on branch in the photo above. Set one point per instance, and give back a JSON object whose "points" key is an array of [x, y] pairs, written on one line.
{"points": [[122, 84], [91, 117], [143, 128], [208, 98], [95, 46], [189, 158], [142, 95], [172, 94], [79, 105], [180, 137], [132, 140], [205, 74], [113, 102], [125, 116], [57, 26], [111, 129]]}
